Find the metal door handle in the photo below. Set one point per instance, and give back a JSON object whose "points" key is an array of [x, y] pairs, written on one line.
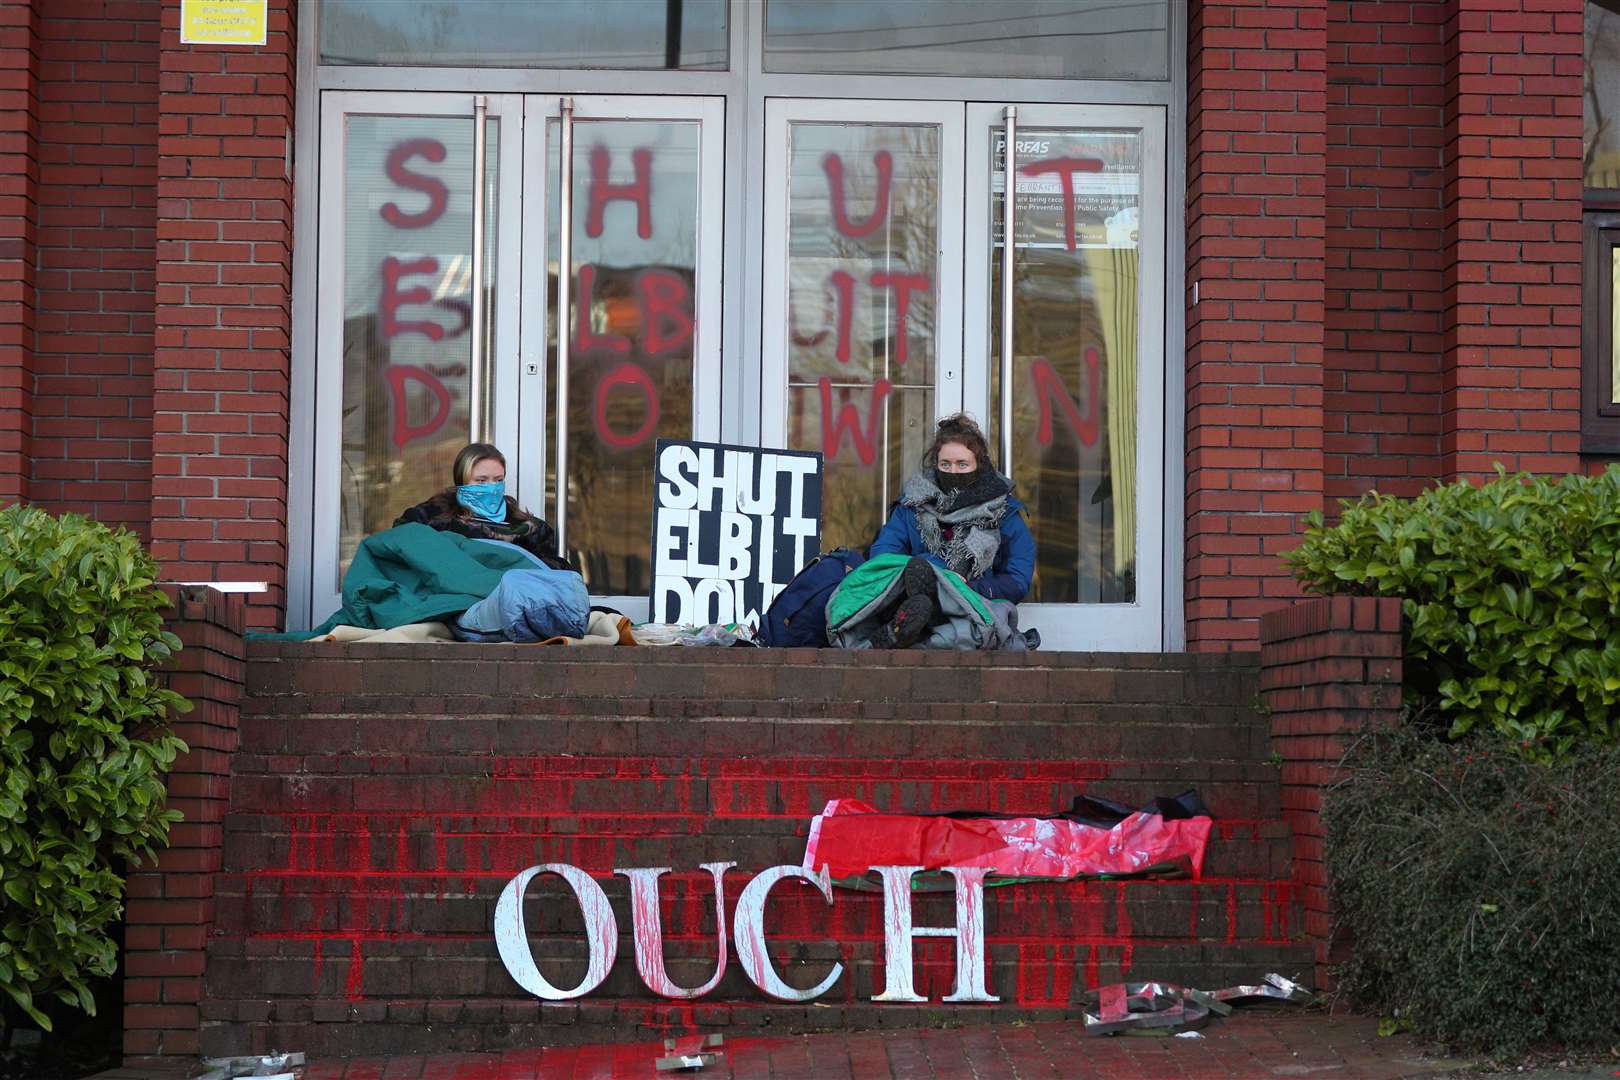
{"points": [[478, 407], [1009, 216], [565, 274]]}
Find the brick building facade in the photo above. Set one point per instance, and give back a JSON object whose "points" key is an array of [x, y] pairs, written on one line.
{"points": [[1381, 284], [1330, 246]]}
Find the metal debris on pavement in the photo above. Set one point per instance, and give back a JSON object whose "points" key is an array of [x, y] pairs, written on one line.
{"points": [[1208, 1001], [1275, 987], [1159, 1008], [690, 1053], [289, 1066], [1141, 1008]]}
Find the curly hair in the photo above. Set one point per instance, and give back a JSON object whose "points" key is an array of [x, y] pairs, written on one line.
{"points": [[959, 428]]}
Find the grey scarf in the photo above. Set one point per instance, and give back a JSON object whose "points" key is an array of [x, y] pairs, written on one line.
{"points": [[973, 515]]}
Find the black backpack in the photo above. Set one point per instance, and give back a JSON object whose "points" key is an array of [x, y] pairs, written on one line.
{"points": [[798, 615]]}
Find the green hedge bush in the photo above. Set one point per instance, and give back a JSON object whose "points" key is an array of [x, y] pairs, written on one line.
{"points": [[1511, 594], [84, 743], [1481, 891]]}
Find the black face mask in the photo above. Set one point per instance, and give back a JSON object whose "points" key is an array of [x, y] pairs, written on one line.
{"points": [[954, 481]]}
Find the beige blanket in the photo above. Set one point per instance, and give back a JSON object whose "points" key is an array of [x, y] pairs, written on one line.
{"points": [[410, 632], [600, 629]]}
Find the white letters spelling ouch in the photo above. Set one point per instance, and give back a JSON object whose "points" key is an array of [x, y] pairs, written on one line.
{"points": [[602, 933]]}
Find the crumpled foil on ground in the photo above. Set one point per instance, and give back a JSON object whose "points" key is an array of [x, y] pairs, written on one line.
{"points": [[1160, 1008], [289, 1066]]}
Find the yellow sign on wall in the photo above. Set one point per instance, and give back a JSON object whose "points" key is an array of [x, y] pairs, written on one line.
{"points": [[223, 22]]}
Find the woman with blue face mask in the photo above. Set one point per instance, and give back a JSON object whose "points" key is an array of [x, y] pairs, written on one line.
{"points": [[478, 506]]}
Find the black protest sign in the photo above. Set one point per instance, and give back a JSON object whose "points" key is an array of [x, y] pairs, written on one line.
{"points": [[731, 526]]}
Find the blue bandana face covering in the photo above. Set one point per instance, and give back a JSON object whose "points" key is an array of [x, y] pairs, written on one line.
{"points": [[486, 501]]}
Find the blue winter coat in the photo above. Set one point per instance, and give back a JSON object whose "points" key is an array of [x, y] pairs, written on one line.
{"points": [[1009, 575]]}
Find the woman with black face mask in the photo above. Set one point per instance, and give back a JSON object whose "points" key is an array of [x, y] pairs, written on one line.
{"points": [[958, 512]]}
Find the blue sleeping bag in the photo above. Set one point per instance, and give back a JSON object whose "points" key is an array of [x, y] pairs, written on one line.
{"points": [[528, 605]]}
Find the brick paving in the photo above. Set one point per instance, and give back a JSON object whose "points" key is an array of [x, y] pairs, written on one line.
{"points": [[1251, 1045]]}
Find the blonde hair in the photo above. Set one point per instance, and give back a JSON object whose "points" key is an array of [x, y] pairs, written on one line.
{"points": [[471, 455]]}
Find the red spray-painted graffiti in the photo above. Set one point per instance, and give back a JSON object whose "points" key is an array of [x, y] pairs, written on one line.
{"points": [[848, 418], [1047, 385], [1065, 168], [1049, 388], [833, 166], [843, 285], [667, 325], [404, 431], [835, 422], [665, 307], [585, 339], [393, 298], [903, 285], [438, 195], [626, 374], [638, 191]]}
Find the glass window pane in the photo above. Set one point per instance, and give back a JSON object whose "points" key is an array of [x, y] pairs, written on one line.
{"points": [[633, 334], [1602, 95], [1030, 39], [688, 34], [407, 302], [863, 242], [1076, 303]]}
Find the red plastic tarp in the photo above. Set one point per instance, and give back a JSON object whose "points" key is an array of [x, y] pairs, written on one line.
{"points": [[849, 837]]}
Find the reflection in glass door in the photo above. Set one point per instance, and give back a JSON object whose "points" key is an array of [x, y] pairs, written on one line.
{"points": [[861, 325], [1085, 361], [396, 312]]}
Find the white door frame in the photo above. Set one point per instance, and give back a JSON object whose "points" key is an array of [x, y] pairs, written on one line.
{"points": [[1137, 626], [780, 114], [328, 396]]}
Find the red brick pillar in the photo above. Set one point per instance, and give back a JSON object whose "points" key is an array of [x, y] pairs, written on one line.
{"points": [[98, 117], [224, 310], [1330, 668], [1255, 213], [1513, 237], [19, 177], [1385, 293], [171, 905]]}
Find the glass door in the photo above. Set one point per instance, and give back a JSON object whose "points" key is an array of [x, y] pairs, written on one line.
{"points": [[634, 355], [437, 315], [1083, 354], [417, 316], [861, 324]]}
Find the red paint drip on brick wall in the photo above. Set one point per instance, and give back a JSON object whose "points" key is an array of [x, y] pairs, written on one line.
{"points": [[356, 971]]}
